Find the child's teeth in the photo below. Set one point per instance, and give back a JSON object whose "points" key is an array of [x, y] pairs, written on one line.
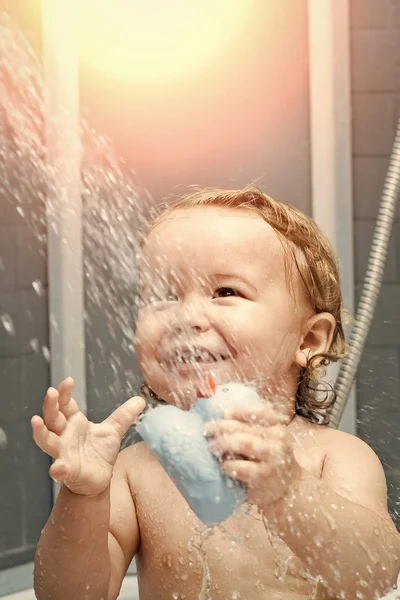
{"points": [[204, 356]]}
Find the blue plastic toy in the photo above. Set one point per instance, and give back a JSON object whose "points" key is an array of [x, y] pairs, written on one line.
{"points": [[176, 437]]}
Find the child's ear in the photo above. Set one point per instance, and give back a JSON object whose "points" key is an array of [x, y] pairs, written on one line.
{"points": [[317, 337]]}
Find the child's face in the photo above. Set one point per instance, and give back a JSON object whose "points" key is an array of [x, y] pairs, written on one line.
{"points": [[214, 299]]}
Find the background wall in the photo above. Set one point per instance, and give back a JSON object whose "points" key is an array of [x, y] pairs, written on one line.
{"points": [[25, 487], [375, 66]]}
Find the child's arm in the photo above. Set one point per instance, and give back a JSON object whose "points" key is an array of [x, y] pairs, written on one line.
{"points": [[337, 523], [85, 547]]}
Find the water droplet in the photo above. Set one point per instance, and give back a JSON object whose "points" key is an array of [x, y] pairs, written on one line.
{"points": [[175, 595], [359, 595], [20, 210], [8, 323], [46, 353], [34, 344], [3, 438], [236, 595], [38, 286]]}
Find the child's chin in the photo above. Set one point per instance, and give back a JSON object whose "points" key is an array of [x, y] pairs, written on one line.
{"points": [[184, 398]]}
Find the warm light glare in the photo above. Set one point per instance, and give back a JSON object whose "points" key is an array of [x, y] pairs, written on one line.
{"points": [[156, 40]]}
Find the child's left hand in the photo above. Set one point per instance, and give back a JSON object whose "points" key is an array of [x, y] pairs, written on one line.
{"points": [[255, 446]]}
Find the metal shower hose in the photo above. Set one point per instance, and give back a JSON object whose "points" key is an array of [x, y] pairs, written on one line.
{"points": [[372, 284]]}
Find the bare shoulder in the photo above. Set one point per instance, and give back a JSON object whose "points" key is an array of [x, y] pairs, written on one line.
{"points": [[339, 443], [334, 438], [352, 469]]}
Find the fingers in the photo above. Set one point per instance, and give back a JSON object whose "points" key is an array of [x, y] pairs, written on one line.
{"points": [[263, 414], [67, 404], [57, 406], [47, 440], [243, 470], [59, 470], [126, 414], [250, 447], [225, 427], [54, 419]]}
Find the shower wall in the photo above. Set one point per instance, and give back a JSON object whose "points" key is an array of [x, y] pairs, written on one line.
{"points": [[375, 67], [25, 488]]}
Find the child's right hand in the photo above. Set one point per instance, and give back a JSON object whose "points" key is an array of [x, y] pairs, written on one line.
{"points": [[84, 452]]}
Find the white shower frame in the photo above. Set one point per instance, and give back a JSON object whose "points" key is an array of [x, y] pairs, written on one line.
{"points": [[331, 153]]}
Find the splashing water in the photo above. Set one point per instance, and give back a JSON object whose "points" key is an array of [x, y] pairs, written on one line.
{"points": [[37, 286], [3, 437], [8, 323], [201, 536], [114, 208], [280, 557]]}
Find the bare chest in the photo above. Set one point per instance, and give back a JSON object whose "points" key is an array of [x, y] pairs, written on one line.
{"points": [[179, 558]]}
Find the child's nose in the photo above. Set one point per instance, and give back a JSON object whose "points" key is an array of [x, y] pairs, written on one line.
{"points": [[193, 317]]}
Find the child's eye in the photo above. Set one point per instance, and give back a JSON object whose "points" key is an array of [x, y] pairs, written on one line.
{"points": [[164, 296], [171, 297], [226, 292], [158, 296]]}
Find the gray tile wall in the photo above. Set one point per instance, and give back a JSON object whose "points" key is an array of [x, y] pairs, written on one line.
{"points": [[375, 67], [25, 488]]}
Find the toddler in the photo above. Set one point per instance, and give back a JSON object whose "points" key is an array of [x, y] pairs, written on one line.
{"points": [[239, 287]]}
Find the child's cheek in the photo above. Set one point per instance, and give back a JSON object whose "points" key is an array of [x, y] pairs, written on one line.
{"points": [[147, 367]]}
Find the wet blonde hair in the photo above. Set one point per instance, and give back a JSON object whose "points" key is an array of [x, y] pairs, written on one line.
{"points": [[310, 251]]}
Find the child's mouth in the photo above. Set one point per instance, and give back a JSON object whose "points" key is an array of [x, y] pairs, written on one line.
{"points": [[183, 362]]}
